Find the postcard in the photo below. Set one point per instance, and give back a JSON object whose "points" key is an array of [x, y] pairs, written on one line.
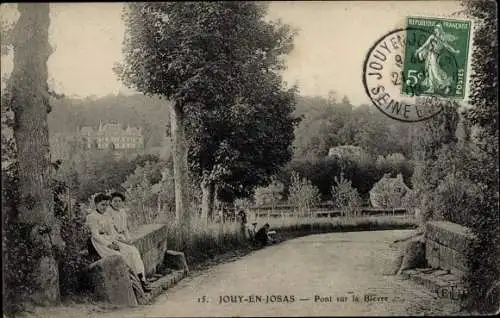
{"points": [[248, 159]]}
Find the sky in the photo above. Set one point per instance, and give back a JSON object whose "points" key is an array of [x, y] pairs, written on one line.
{"points": [[334, 38]]}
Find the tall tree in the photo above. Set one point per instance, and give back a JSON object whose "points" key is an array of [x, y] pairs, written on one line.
{"points": [[28, 97], [483, 117], [206, 58], [253, 142], [161, 59]]}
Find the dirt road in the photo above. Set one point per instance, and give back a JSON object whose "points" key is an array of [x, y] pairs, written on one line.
{"points": [[314, 275]]}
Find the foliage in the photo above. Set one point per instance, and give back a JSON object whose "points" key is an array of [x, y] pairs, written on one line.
{"points": [[140, 197], [272, 194], [302, 193], [458, 181], [440, 130], [89, 172], [345, 197], [75, 233], [148, 113], [455, 197], [388, 192], [165, 190], [253, 110], [322, 172], [244, 204], [326, 124], [483, 115], [223, 94], [16, 247]]}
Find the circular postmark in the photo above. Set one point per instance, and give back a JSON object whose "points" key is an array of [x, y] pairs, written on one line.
{"points": [[404, 81]]}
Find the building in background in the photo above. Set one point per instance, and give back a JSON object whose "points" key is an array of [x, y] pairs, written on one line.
{"points": [[112, 135]]}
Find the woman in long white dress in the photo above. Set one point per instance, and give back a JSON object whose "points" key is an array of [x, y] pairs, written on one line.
{"points": [[436, 78], [119, 216], [107, 241]]}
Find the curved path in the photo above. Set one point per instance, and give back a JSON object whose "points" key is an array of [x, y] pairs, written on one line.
{"points": [[320, 269]]}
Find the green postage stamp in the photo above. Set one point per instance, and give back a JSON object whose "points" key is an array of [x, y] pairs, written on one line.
{"points": [[436, 56]]}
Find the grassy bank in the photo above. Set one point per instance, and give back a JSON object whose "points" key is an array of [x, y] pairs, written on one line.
{"points": [[206, 243]]}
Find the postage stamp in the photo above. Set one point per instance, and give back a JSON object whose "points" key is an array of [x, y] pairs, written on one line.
{"points": [[435, 60]]}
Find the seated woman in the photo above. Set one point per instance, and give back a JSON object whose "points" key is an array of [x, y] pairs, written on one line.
{"points": [[119, 216], [107, 241]]}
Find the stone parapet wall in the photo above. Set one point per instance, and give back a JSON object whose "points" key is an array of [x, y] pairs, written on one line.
{"points": [[446, 246]]}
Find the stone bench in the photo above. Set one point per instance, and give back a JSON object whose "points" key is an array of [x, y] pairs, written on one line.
{"points": [[109, 276], [151, 241]]}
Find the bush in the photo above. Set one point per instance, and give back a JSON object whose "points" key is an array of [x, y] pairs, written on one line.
{"points": [[363, 174], [72, 261], [149, 191], [461, 186], [345, 197], [270, 195], [388, 192], [75, 234], [302, 193], [454, 198], [141, 200]]}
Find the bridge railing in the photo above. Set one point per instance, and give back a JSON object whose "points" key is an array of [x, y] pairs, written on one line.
{"points": [[324, 212]]}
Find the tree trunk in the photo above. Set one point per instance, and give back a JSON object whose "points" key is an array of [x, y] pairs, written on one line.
{"points": [[207, 200], [158, 204], [180, 165], [215, 204], [29, 101]]}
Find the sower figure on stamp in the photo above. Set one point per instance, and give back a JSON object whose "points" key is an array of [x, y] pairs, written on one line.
{"points": [[107, 241], [429, 52]]}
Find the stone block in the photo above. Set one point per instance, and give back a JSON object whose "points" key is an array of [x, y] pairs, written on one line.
{"points": [[414, 254], [151, 241], [440, 272], [440, 256], [424, 270], [110, 280], [450, 258], [410, 271], [432, 253], [176, 260], [449, 234], [449, 278]]}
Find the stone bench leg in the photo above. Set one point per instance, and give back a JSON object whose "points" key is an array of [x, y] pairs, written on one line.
{"points": [[176, 260], [110, 280]]}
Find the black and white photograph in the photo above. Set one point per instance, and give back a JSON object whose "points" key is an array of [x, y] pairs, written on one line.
{"points": [[250, 159]]}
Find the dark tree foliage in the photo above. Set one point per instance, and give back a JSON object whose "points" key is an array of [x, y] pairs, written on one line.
{"points": [[484, 270]]}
